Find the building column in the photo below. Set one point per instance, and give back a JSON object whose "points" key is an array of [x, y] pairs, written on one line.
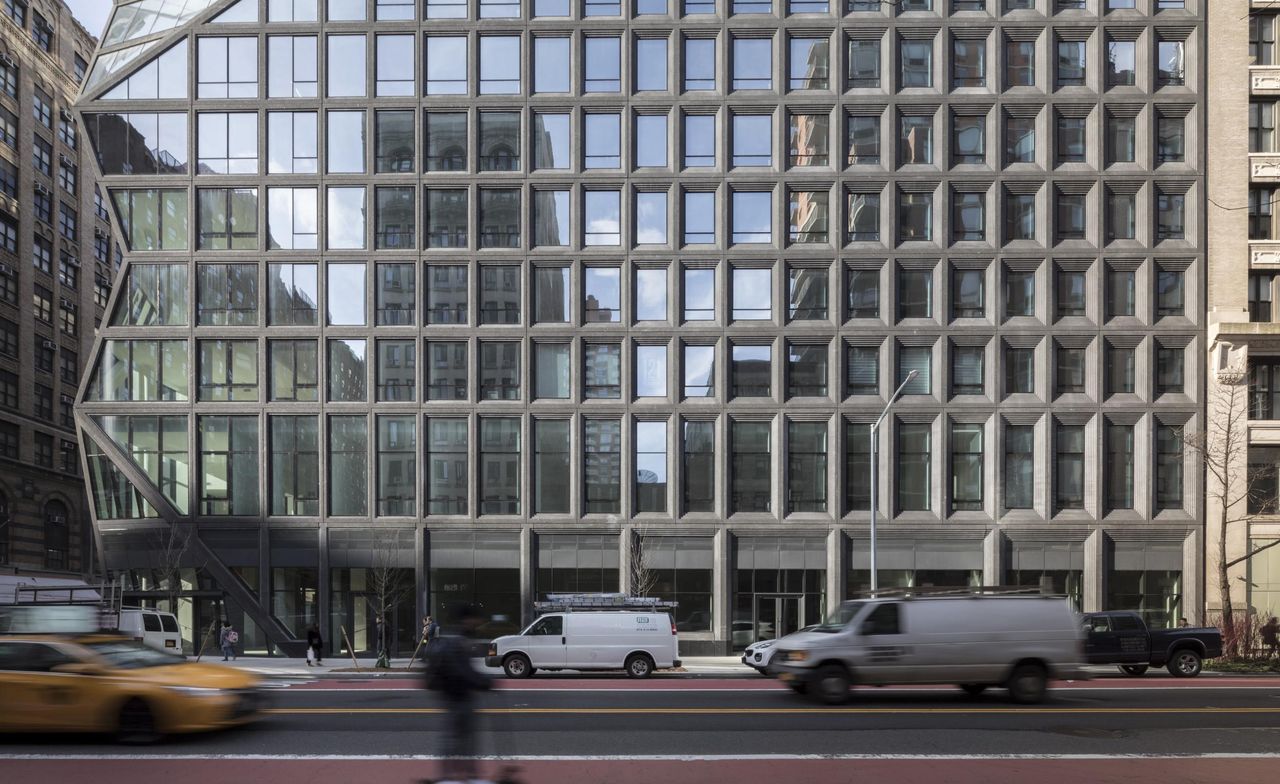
{"points": [[322, 580], [420, 575], [993, 565], [1095, 568], [626, 545], [528, 553], [722, 589], [836, 569], [1192, 580]]}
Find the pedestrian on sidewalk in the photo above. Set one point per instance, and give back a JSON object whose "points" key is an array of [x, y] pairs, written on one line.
{"points": [[315, 646], [430, 632], [452, 675], [227, 639]]}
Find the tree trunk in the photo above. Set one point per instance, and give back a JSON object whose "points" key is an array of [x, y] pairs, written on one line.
{"points": [[1224, 588]]}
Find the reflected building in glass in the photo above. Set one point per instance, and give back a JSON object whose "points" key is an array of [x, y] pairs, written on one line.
{"points": [[456, 310]]}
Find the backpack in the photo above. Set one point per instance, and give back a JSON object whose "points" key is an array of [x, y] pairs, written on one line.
{"points": [[233, 637]]}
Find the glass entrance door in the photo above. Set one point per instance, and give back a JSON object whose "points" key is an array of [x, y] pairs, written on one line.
{"points": [[777, 615]]}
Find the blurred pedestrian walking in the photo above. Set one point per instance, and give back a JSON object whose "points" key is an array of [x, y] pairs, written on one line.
{"points": [[315, 646], [451, 674]]}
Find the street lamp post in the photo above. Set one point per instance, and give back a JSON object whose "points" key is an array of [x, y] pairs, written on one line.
{"points": [[875, 472]]}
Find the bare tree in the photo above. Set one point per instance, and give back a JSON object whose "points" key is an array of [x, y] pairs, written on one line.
{"points": [[389, 586], [169, 548], [639, 566], [1234, 491]]}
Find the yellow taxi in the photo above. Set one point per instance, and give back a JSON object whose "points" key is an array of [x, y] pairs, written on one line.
{"points": [[111, 684]]}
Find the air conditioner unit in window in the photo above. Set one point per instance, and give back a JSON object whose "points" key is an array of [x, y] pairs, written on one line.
{"points": [[68, 399], [68, 446], [57, 519], [7, 60], [66, 161], [65, 114], [6, 270], [40, 188], [49, 344], [98, 232], [66, 303]]}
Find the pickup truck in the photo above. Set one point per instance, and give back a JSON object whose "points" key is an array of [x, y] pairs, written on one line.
{"points": [[1122, 638]]}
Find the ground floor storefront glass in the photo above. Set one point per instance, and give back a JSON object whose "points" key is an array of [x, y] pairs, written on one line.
{"points": [[1052, 567], [909, 564], [779, 586], [681, 571], [576, 563], [480, 568], [1147, 578]]}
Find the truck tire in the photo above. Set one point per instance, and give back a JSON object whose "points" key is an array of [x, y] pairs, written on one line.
{"points": [[1136, 670], [1185, 663], [1028, 684], [639, 666], [830, 685], [517, 665]]}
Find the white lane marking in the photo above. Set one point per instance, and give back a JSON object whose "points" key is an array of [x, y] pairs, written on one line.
{"points": [[778, 689], [644, 757]]}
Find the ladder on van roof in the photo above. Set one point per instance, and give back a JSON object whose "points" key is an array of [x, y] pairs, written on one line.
{"points": [[964, 590], [569, 602], [108, 597]]}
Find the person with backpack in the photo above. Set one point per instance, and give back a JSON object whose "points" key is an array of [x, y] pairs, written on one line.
{"points": [[451, 674], [227, 640], [430, 633]]}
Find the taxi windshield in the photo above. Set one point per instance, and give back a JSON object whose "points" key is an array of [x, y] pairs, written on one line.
{"points": [[124, 656], [840, 618]]}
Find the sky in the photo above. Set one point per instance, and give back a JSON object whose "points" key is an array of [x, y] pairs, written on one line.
{"points": [[91, 13]]}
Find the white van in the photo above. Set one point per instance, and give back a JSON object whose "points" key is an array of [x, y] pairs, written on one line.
{"points": [[152, 628], [974, 641], [637, 642]]}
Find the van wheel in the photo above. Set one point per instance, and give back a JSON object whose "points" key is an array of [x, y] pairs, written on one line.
{"points": [[639, 666], [973, 689], [136, 724], [830, 685], [1028, 684], [1136, 670], [517, 666], [1185, 663]]}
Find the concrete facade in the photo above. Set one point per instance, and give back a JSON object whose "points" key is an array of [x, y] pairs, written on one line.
{"points": [[1036, 252], [54, 281]]}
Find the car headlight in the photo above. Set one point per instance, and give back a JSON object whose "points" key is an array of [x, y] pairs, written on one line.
{"points": [[797, 656], [196, 691]]}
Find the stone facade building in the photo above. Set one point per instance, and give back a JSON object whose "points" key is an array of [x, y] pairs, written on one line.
{"points": [[56, 267], [481, 300]]}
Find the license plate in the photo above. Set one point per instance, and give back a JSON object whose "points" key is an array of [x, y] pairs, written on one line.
{"points": [[171, 643]]}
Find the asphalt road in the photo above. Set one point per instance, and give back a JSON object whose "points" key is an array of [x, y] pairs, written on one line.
{"points": [[672, 731]]}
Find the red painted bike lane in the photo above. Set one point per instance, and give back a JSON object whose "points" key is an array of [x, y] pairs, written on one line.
{"points": [[743, 771], [763, 684]]}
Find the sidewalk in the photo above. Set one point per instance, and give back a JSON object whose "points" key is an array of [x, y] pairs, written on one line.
{"points": [[336, 667]]}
